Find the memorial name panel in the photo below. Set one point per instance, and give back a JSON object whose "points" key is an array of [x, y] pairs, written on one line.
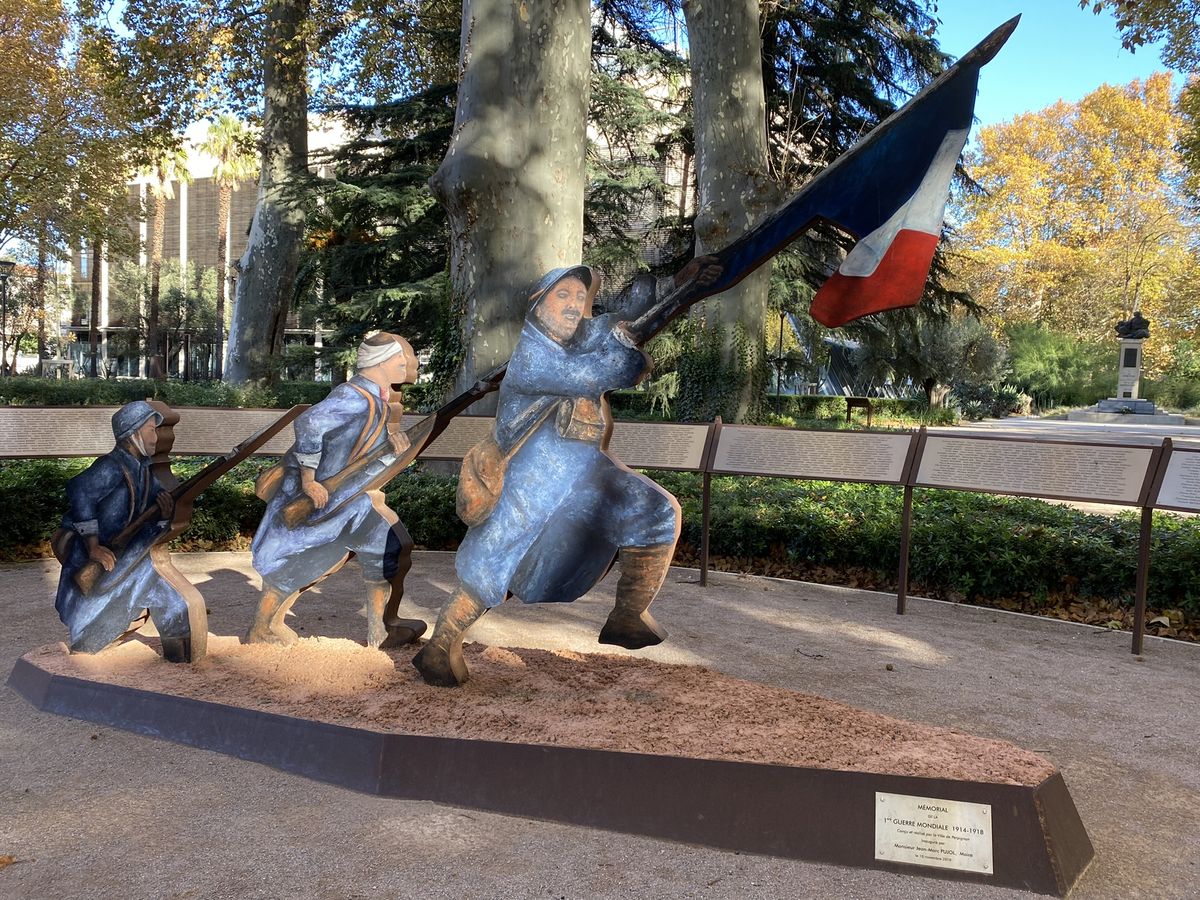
{"points": [[463, 433], [927, 831], [818, 455], [55, 431], [212, 432], [1104, 474], [1181, 484], [659, 446]]}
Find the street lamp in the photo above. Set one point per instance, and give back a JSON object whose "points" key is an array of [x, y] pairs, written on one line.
{"points": [[6, 269]]}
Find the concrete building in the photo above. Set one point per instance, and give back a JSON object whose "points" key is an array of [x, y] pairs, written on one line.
{"points": [[188, 279]]}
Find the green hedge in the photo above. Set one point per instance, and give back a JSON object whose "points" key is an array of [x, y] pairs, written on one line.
{"points": [[115, 392], [980, 546], [24, 391], [636, 405]]}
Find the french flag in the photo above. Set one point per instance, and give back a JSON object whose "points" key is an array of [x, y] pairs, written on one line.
{"points": [[888, 191], [887, 268]]}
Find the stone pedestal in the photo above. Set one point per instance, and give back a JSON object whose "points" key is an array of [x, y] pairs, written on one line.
{"points": [[1129, 374], [1126, 408]]}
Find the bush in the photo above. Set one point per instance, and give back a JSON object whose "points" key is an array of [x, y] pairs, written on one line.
{"points": [[1056, 369], [116, 392], [980, 546], [1175, 392], [984, 401]]}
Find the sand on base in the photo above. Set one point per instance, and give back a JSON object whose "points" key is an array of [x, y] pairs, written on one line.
{"points": [[559, 698]]}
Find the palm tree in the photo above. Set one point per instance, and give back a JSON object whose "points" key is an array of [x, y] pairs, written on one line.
{"points": [[169, 167], [231, 145]]}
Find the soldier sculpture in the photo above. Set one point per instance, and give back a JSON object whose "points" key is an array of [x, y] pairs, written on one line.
{"points": [[547, 505], [358, 418]]}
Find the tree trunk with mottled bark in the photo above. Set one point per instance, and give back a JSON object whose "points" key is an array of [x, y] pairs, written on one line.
{"points": [[513, 179], [734, 187], [268, 268], [39, 294]]}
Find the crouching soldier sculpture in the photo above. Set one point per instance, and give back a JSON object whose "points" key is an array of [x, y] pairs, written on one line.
{"points": [[356, 419], [548, 507], [114, 564]]}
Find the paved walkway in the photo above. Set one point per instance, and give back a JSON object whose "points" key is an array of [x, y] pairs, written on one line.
{"points": [[92, 812], [1061, 429]]}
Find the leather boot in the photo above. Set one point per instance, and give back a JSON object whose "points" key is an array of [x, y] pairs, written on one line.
{"points": [[440, 661], [177, 649], [268, 625], [382, 630], [643, 570]]}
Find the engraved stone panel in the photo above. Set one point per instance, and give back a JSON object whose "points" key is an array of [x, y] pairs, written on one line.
{"points": [[926, 831], [1035, 469], [834, 455]]}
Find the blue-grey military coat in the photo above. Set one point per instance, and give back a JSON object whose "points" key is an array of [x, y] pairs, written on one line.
{"points": [[349, 423], [102, 500], [566, 506]]}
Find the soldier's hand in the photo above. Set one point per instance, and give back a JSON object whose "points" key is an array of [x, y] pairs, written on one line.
{"points": [[704, 269], [166, 503], [317, 493], [104, 556], [399, 441]]}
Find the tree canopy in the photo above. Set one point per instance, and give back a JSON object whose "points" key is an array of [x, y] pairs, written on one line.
{"points": [[1082, 218]]}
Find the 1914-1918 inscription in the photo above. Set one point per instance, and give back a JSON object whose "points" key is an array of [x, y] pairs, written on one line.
{"points": [[1181, 484], [1076, 471], [835, 455], [926, 831]]}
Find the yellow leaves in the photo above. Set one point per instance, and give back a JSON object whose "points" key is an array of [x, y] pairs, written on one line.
{"points": [[1083, 220]]}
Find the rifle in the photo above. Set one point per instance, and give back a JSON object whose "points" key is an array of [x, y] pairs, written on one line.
{"points": [[183, 495], [375, 469]]}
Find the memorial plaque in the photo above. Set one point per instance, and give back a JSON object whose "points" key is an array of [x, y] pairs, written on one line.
{"points": [[53, 431], [207, 431], [1074, 471], [647, 445], [926, 831], [817, 455], [1181, 484], [460, 435]]}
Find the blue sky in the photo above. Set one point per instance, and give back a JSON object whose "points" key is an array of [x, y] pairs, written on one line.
{"points": [[1058, 51]]}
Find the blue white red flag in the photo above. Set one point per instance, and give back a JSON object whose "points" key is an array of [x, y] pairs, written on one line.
{"points": [[889, 191]]}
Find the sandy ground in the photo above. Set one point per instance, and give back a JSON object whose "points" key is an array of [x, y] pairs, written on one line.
{"points": [[92, 812], [560, 698]]}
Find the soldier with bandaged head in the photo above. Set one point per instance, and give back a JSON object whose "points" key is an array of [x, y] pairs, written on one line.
{"points": [[357, 418]]}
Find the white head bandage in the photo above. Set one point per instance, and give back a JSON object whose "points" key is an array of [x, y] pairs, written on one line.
{"points": [[373, 354]]}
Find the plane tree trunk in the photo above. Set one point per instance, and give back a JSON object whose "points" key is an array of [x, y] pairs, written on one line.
{"points": [[513, 179], [267, 277], [734, 187]]}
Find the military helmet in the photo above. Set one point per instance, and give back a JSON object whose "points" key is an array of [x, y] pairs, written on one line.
{"points": [[130, 417]]}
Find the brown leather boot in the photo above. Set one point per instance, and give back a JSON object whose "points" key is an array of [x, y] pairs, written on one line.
{"points": [[383, 632], [177, 649], [440, 661], [643, 570]]}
